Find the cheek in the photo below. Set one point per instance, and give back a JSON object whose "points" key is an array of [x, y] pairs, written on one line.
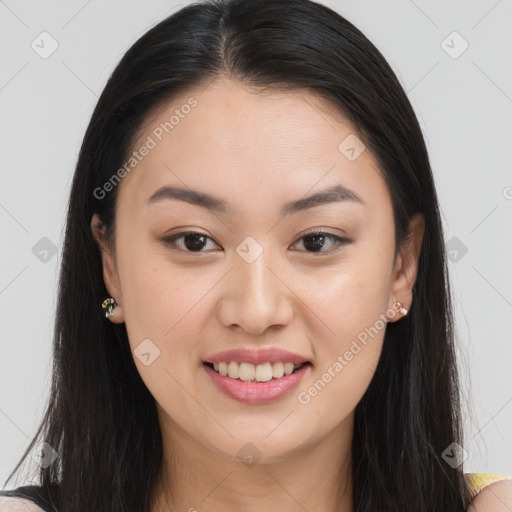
{"points": [[164, 306], [350, 304], [348, 352], [164, 303], [338, 386], [349, 297]]}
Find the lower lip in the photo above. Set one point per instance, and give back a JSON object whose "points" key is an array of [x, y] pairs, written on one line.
{"points": [[257, 392]]}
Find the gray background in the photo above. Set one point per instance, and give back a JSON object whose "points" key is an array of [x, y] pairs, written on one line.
{"points": [[464, 105]]}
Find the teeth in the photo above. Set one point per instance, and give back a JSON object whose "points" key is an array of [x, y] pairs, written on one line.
{"points": [[277, 370], [260, 372], [223, 368]]}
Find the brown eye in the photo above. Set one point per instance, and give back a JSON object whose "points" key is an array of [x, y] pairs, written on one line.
{"points": [[315, 242], [193, 241]]}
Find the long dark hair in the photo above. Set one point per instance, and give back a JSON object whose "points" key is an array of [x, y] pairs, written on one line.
{"points": [[100, 417]]}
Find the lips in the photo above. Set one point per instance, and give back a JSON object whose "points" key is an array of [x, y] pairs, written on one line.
{"points": [[256, 357], [257, 393]]}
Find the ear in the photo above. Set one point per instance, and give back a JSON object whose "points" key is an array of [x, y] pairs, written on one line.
{"points": [[406, 267], [110, 275]]}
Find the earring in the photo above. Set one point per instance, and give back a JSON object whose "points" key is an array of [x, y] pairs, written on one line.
{"points": [[108, 305], [402, 309]]}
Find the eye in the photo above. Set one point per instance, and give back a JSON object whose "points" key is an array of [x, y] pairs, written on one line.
{"points": [[192, 240], [315, 242]]}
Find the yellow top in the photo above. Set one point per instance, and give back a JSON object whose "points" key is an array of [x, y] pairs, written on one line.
{"points": [[477, 481]]}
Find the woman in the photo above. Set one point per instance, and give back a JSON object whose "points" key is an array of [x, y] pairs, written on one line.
{"points": [[254, 309]]}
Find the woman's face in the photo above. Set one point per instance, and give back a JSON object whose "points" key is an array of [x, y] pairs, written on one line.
{"points": [[251, 279]]}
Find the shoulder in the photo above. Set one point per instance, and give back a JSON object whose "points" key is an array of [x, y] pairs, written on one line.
{"points": [[495, 497], [10, 504]]}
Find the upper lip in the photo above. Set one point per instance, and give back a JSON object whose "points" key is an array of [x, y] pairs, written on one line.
{"points": [[260, 356]]}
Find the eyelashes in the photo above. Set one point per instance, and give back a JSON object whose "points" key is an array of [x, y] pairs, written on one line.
{"points": [[197, 240], [319, 237]]}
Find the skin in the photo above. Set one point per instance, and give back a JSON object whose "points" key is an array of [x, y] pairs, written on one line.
{"points": [[256, 152], [496, 497]]}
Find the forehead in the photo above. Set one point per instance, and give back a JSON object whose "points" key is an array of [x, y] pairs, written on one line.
{"points": [[239, 143]]}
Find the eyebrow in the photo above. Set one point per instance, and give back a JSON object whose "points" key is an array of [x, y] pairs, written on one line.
{"points": [[334, 194]]}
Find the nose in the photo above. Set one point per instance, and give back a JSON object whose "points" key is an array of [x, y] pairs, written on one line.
{"points": [[256, 296]]}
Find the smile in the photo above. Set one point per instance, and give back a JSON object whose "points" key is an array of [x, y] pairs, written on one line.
{"points": [[240, 381]]}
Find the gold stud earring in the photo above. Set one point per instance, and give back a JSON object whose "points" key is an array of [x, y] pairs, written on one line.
{"points": [[402, 309], [108, 305]]}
